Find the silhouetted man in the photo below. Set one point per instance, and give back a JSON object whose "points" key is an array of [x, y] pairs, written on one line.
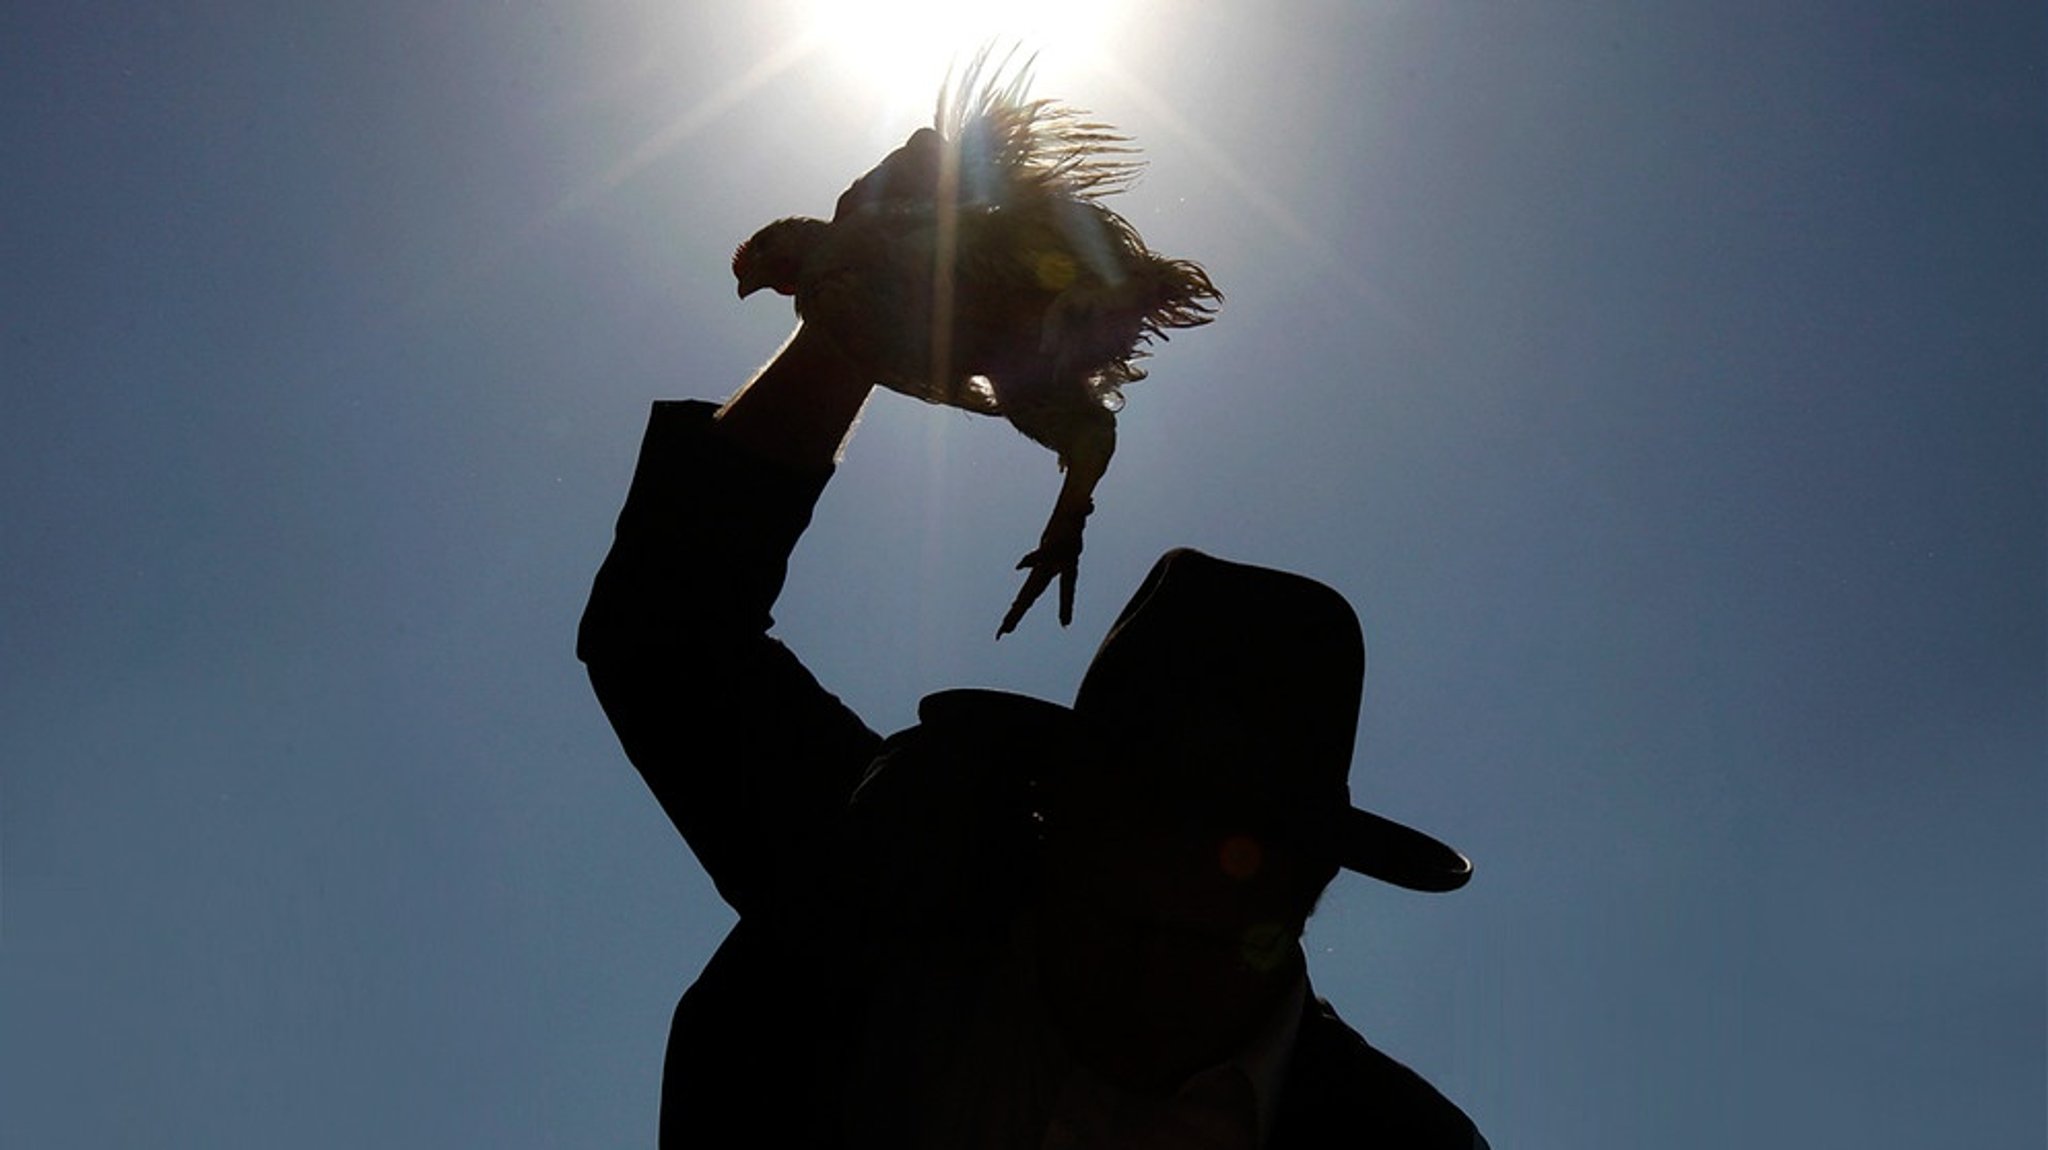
{"points": [[1017, 924]]}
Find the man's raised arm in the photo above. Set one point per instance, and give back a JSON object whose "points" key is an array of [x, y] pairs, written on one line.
{"points": [[747, 754], [801, 407]]}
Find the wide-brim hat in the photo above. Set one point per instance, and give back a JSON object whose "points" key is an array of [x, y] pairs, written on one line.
{"points": [[1246, 681]]}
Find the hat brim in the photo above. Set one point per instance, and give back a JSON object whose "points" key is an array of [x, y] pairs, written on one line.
{"points": [[1355, 839]]}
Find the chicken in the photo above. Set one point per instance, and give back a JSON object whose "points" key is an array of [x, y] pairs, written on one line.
{"points": [[977, 267]]}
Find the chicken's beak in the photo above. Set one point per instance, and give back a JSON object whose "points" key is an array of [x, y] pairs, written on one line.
{"points": [[756, 278], [747, 269]]}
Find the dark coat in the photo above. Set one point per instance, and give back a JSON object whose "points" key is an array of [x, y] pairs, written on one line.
{"points": [[758, 766]]}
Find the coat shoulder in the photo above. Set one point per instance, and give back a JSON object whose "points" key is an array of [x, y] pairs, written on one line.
{"points": [[1341, 1091]]}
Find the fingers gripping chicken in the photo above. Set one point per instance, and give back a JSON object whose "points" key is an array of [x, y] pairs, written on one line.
{"points": [[977, 267]]}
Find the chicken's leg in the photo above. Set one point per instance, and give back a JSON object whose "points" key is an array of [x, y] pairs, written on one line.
{"points": [[1059, 546]]}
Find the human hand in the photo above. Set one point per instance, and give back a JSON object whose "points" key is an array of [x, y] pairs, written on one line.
{"points": [[864, 279], [905, 182]]}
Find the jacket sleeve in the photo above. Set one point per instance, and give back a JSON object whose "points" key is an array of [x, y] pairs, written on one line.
{"points": [[751, 759]]}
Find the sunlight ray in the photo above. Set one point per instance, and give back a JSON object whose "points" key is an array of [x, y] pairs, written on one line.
{"points": [[699, 116], [1262, 201], [893, 44], [705, 112]]}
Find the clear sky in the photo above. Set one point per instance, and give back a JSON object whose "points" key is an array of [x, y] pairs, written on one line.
{"points": [[1663, 382]]}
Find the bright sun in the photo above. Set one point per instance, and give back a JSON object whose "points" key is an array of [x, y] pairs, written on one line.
{"points": [[904, 46]]}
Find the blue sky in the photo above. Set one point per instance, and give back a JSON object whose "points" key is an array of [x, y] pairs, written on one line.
{"points": [[1664, 384]]}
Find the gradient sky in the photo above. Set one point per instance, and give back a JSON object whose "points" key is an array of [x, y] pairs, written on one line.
{"points": [[1664, 383]]}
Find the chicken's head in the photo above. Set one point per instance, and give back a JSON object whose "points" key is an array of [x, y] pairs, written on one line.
{"points": [[774, 256]]}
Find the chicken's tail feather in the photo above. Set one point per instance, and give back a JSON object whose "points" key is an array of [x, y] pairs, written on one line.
{"points": [[1012, 144]]}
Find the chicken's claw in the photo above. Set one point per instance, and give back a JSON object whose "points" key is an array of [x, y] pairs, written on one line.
{"points": [[1058, 554], [1042, 567]]}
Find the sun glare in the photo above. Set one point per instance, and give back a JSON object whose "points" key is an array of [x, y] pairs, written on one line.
{"points": [[903, 47]]}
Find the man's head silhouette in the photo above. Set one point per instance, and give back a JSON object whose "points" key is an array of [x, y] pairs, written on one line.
{"points": [[1199, 805]]}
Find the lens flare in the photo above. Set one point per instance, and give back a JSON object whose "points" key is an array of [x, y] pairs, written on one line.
{"points": [[903, 47]]}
